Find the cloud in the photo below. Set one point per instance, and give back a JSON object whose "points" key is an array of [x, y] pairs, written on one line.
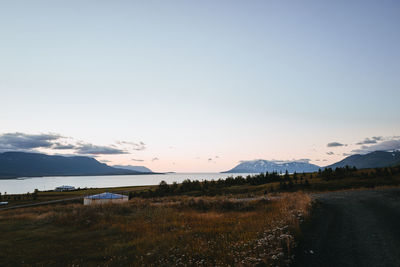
{"points": [[347, 154], [242, 161], [388, 145], [63, 146], [22, 141], [334, 144], [121, 147], [330, 153], [213, 159], [137, 159], [302, 160], [51, 141], [288, 161], [367, 141], [154, 159], [132, 145], [98, 150], [277, 161]]}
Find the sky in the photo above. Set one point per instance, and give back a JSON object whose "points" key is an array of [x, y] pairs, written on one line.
{"points": [[198, 86]]}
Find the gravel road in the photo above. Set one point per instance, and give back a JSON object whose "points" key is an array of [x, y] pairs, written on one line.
{"points": [[353, 228]]}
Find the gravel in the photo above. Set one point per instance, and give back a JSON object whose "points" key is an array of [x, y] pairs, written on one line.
{"points": [[353, 228]]}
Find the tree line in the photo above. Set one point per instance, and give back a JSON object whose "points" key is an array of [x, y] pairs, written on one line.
{"points": [[286, 181], [348, 172], [27, 196], [213, 186]]}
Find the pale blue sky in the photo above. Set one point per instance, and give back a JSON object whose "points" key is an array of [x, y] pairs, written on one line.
{"points": [[198, 79]]}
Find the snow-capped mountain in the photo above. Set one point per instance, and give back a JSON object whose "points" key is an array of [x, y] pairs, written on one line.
{"points": [[260, 165]]}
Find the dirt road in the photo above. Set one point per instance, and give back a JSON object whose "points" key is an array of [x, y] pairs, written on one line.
{"points": [[355, 228]]}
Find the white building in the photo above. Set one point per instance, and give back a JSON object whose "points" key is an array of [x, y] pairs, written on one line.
{"points": [[105, 198], [64, 188]]}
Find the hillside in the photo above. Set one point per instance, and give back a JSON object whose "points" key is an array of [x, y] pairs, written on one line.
{"points": [[21, 164], [133, 168], [259, 166], [376, 159]]}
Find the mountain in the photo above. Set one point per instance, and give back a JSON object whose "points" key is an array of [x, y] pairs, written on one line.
{"points": [[375, 159], [21, 164], [258, 166], [133, 168]]}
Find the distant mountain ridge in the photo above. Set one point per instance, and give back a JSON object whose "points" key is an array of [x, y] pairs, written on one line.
{"points": [[22, 164], [133, 168], [259, 166], [376, 159]]}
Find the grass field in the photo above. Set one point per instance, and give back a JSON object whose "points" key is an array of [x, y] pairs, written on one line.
{"points": [[208, 231], [235, 225]]}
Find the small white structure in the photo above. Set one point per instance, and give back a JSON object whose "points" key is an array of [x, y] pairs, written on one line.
{"points": [[64, 188], [105, 198]]}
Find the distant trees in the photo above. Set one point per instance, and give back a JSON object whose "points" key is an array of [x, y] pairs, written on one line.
{"points": [[213, 186], [338, 173], [16, 197], [295, 177], [349, 172], [286, 181], [35, 194], [286, 176]]}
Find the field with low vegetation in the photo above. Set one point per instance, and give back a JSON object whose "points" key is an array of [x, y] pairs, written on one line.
{"points": [[238, 221], [204, 231]]}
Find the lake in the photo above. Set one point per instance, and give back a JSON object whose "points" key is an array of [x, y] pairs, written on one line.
{"points": [[29, 184]]}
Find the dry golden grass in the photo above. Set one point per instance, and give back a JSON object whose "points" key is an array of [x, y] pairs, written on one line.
{"points": [[202, 231]]}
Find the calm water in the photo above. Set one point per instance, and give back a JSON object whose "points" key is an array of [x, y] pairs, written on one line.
{"points": [[24, 185]]}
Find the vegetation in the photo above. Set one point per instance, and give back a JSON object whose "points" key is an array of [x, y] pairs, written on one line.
{"points": [[43, 196], [327, 179], [205, 231], [250, 220], [260, 184]]}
